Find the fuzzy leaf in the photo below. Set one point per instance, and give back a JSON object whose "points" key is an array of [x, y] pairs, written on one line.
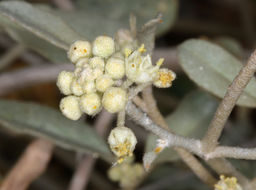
{"points": [[190, 119], [42, 121], [213, 68]]}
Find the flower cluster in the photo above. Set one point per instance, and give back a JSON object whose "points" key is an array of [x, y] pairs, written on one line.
{"points": [[128, 174], [227, 183], [92, 84], [104, 74]]}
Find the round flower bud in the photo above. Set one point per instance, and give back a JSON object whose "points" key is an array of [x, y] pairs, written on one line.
{"points": [[82, 62], [89, 87], [84, 73], [64, 81], [118, 55], [97, 62], [103, 46], [114, 99], [164, 78], [79, 49], [90, 103], [97, 72], [76, 88], [122, 141], [103, 83], [115, 68], [69, 106]]}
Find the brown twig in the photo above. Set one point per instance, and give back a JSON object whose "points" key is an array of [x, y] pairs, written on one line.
{"points": [[85, 166], [66, 5], [13, 80], [32, 164], [216, 126], [11, 55]]}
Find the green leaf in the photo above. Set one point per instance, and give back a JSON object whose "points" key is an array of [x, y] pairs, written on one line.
{"points": [[48, 31], [213, 68], [231, 45], [36, 22], [104, 13], [190, 119], [42, 121]]}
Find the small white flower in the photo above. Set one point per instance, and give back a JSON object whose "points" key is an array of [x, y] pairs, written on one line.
{"points": [[122, 141], [90, 103], [103, 46], [115, 68], [76, 88], [89, 87], [64, 81], [82, 62], [164, 78], [79, 49], [103, 83], [114, 99], [139, 68], [97, 62], [69, 106], [227, 183], [84, 74]]}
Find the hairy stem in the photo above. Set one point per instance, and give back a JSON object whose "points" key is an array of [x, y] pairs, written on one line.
{"points": [[186, 156], [216, 126], [84, 168]]}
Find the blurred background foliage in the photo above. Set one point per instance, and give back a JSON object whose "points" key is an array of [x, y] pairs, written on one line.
{"points": [[36, 34]]}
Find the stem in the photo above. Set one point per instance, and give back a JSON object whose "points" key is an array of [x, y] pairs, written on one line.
{"points": [[12, 54], [233, 152], [30, 166], [174, 140], [84, 168], [216, 126], [14, 80], [66, 5], [186, 156]]}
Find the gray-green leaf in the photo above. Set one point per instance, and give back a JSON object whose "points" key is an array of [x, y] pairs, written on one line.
{"points": [[42, 121], [37, 22], [213, 68], [190, 119]]}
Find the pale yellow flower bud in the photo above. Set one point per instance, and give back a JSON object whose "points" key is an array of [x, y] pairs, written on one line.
{"points": [[103, 46], [114, 99], [122, 141], [97, 72], [90, 103], [97, 62], [89, 87], [82, 62], [115, 68], [69, 106], [164, 78], [76, 88], [78, 50], [103, 83], [64, 81]]}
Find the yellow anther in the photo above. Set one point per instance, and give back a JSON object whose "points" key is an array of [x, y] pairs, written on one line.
{"points": [[160, 62], [142, 48], [158, 149], [127, 52]]}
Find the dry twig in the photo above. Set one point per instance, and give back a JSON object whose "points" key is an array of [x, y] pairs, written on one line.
{"points": [[30, 166]]}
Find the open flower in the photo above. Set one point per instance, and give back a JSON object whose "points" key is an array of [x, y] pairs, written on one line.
{"points": [[139, 68], [122, 141], [227, 183]]}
